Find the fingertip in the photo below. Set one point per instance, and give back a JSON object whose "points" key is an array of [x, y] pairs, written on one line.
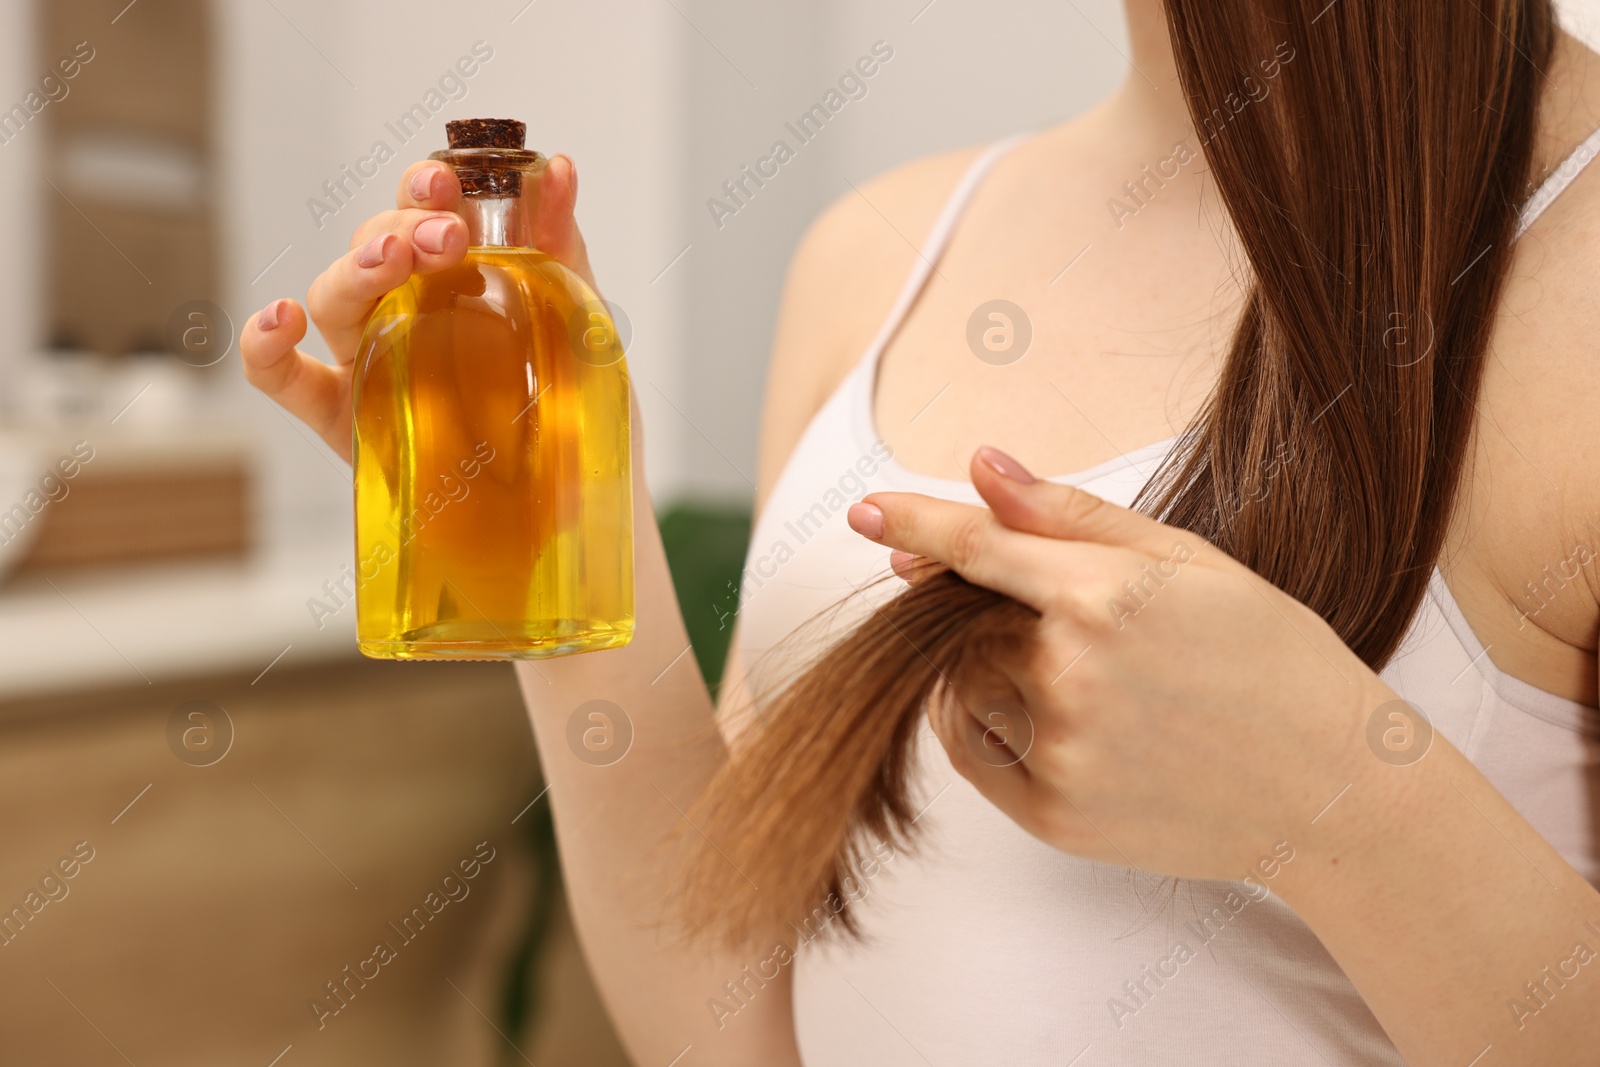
{"points": [[567, 169], [561, 183], [429, 184], [914, 569], [441, 236], [1007, 467], [866, 519], [276, 328], [1004, 484], [267, 318], [276, 320], [904, 564], [421, 184]]}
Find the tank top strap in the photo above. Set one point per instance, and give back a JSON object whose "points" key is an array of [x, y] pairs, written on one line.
{"points": [[933, 247], [1559, 179]]}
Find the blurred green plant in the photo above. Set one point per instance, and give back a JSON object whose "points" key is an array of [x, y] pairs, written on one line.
{"points": [[705, 552]]}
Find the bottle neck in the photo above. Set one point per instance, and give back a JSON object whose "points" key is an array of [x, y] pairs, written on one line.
{"points": [[497, 221], [499, 193]]}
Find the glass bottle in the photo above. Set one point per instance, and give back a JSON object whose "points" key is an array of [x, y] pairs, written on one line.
{"points": [[493, 485]]}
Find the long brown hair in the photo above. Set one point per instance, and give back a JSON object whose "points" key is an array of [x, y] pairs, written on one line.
{"points": [[1375, 191]]}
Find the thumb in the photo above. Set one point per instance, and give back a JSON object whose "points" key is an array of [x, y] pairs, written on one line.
{"points": [[1047, 509]]}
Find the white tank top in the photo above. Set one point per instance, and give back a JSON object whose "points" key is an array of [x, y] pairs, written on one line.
{"points": [[988, 946]]}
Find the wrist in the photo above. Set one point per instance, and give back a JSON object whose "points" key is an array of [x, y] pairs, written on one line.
{"points": [[1386, 806]]}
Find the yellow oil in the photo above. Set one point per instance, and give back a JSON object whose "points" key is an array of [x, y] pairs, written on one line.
{"points": [[493, 489]]}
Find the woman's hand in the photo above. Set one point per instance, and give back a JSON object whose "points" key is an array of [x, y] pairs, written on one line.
{"points": [[422, 235], [1177, 713]]}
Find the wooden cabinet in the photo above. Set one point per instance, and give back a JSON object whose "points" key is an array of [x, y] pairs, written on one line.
{"points": [[222, 899]]}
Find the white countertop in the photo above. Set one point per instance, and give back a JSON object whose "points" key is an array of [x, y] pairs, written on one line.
{"points": [[162, 622]]}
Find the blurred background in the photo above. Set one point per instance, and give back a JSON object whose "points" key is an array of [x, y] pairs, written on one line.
{"points": [[245, 805]]}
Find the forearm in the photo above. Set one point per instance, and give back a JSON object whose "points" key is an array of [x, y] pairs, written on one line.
{"points": [[612, 819], [1442, 904]]}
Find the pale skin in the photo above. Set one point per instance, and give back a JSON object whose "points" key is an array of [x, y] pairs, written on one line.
{"points": [[1436, 917]]}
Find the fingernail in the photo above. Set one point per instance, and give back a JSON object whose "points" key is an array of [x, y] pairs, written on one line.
{"points": [[1004, 465], [866, 520], [268, 319], [422, 183], [373, 252], [430, 235]]}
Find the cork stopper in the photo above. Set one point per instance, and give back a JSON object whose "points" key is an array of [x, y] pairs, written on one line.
{"points": [[488, 156], [486, 133]]}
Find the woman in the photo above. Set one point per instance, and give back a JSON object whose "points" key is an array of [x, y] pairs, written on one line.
{"points": [[1365, 382]]}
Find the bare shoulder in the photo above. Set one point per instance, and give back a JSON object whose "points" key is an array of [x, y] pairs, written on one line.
{"points": [[842, 281]]}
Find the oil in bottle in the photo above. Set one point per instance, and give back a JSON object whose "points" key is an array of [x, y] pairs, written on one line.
{"points": [[493, 482]]}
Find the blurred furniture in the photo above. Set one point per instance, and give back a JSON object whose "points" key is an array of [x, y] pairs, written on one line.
{"points": [[222, 898], [144, 496], [217, 906], [131, 227], [131, 247]]}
